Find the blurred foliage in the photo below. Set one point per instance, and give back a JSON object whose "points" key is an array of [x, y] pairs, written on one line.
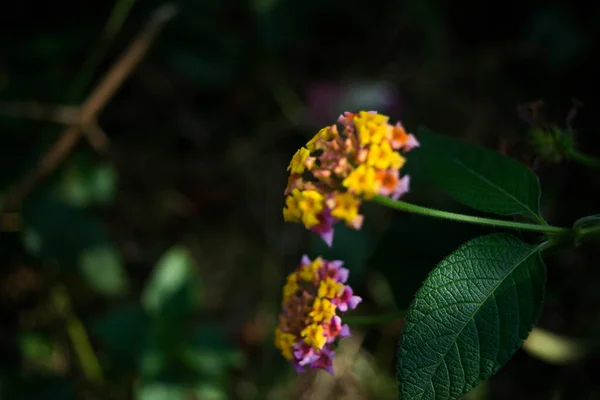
{"points": [[169, 244]]}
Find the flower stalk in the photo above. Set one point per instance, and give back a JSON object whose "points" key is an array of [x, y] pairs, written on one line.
{"points": [[498, 223]]}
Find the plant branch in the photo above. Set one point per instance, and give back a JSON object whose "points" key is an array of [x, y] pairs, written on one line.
{"points": [[429, 212], [584, 159], [91, 108], [588, 233], [78, 335]]}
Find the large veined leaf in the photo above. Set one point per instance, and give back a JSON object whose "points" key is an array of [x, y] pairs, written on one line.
{"points": [[470, 316], [479, 177]]}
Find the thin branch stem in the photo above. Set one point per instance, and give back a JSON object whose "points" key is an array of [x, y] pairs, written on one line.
{"points": [[593, 232], [78, 336], [584, 159], [91, 108], [429, 212]]}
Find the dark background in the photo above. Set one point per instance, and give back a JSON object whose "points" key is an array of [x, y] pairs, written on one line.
{"points": [[166, 250]]}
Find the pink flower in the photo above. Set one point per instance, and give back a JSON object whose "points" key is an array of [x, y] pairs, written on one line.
{"points": [[401, 188], [347, 301], [325, 360], [411, 143], [325, 227], [335, 329], [304, 354], [335, 271]]}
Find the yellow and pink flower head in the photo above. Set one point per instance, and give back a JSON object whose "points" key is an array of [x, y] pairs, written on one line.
{"points": [[309, 324], [334, 171]]}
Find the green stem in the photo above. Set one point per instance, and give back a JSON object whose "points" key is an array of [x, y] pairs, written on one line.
{"points": [[584, 159], [77, 335], [374, 319], [430, 212], [588, 233]]}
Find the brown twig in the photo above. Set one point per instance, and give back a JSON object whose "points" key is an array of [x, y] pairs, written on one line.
{"points": [[90, 109], [65, 115]]}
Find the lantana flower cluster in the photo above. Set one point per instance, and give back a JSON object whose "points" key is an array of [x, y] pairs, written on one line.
{"points": [[309, 324], [334, 171]]}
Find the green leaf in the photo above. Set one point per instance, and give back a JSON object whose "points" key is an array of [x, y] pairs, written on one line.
{"points": [[209, 353], [85, 182], [122, 333], [173, 289], [178, 391], [68, 237], [38, 349], [58, 232], [470, 316], [103, 267], [480, 178]]}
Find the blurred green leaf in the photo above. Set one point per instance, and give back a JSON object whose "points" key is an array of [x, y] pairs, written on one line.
{"points": [[209, 352], [154, 359], [175, 391], [479, 177], [85, 183], [173, 289], [37, 348], [555, 349], [123, 334], [67, 236], [470, 316], [161, 391], [104, 269], [61, 233]]}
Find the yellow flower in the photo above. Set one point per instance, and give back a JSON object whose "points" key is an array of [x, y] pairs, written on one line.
{"points": [[323, 310], [380, 133], [371, 128], [383, 157], [309, 271], [325, 134], [291, 212], [285, 343], [362, 181], [346, 207], [310, 204], [297, 164], [330, 288], [366, 116], [291, 286], [314, 336]]}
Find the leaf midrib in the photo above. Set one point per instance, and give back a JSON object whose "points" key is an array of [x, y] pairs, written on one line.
{"points": [[534, 250], [495, 186]]}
